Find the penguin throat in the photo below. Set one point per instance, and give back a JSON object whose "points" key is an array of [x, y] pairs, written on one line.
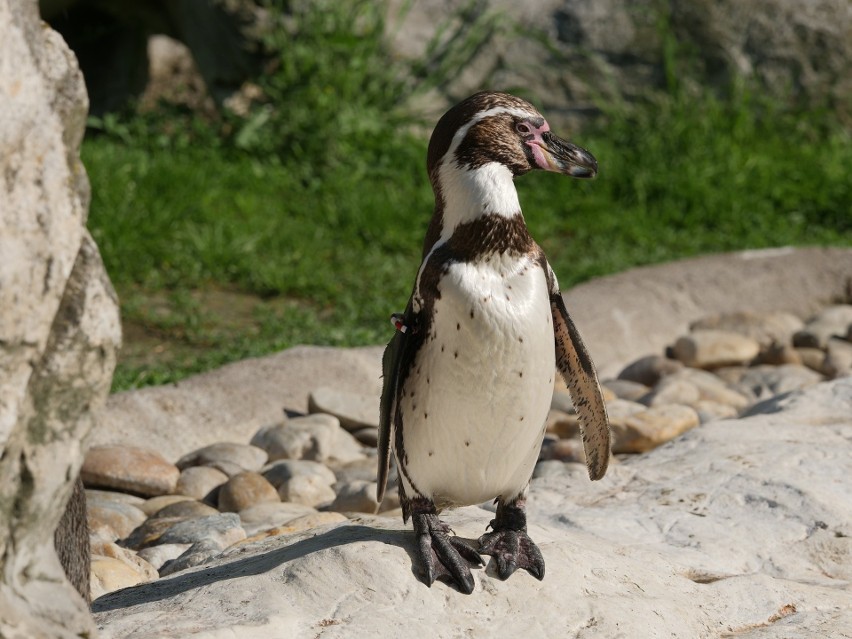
{"points": [[470, 194]]}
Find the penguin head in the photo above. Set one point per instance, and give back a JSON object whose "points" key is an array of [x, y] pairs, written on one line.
{"points": [[491, 127]]}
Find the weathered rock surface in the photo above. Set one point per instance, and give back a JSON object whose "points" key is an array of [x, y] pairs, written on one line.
{"points": [[59, 326], [740, 527]]}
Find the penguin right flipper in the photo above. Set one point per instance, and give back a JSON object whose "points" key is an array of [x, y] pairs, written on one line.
{"points": [[573, 361]]}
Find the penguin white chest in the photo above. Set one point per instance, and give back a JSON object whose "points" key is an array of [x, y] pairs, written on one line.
{"points": [[476, 401]]}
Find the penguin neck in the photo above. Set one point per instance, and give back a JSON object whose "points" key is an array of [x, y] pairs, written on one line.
{"points": [[465, 196]]}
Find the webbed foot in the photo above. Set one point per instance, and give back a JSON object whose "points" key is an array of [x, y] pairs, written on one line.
{"points": [[441, 555], [509, 543]]}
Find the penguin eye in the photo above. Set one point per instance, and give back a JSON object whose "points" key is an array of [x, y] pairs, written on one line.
{"points": [[523, 128]]}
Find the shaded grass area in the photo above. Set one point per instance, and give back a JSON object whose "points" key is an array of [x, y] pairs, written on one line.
{"points": [[217, 255]]}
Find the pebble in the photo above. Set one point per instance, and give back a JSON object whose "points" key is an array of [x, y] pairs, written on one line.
{"points": [[149, 533], [650, 369], [838, 359], [355, 411], [564, 450], [109, 574], [813, 358], [833, 321], [309, 490], [356, 496], [776, 354], [244, 490], [709, 410], [367, 436], [130, 469], [672, 390], [224, 528], [200, 482], [626, 389], [314, 437], [620, 410], [765, 328], [186, 509], [711, 348], [159, 555], [198, 553], [155, 504], [128, 557], [765, 381], [244, 456], [261, 517], [104, 514], [562, 424], [650, 428]]}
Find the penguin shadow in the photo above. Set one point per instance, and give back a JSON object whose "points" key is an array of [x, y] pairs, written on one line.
{"points": [[256, 564]]}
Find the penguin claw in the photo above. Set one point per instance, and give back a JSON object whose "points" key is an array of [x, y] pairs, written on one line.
{"points": [[512, 549], [442, 556]]}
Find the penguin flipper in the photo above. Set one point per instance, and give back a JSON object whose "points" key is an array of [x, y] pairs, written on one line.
{"points": [[573, 361], [387, 407]]}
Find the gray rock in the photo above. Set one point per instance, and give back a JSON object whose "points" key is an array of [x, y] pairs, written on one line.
{"points": [[838, 359], [649, 370], [563, 450], [833, 321], [244, 490], [648, 429], [150, 532], [197, 554], [246, 457], [309, 490], [117, 515], [185, 509], [199, 482], [155, 504], [766, 328], [765, 381], [620, 410], [562, 402], [709, 410], [262, 517], [672, 391], [281, 470], [224, 528], [128, 468], [709, 348], [367, 436], [159, 555], [737, 519], [354, 410], [625, 389], [562, 424], [317, 437], [356, 496]]}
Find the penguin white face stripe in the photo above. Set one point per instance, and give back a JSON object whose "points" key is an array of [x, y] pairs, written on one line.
{"points": [[462, 132]]}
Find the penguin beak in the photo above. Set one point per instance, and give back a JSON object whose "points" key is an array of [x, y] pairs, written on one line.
{"points": [[552, 153]]}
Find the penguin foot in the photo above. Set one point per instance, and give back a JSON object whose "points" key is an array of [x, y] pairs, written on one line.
{"points": [[442, 556], [509, 543]]}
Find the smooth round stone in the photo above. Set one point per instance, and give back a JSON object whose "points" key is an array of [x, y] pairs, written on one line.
{"points": [[155, 504], [625, 389], [197, 554], [620, 409], [708, 348], [244, 490], [766, 381], [390, 502], [652, 427], [813, 358], [309, 490], [838, 359], [564, 450], [561, 401], [150, 532], [109, 574], [712, 388], [709, 411], [280, 471], [186, 509], [367, 436], [766, 328], [562, 424], [354, 410], [199, 482], [128, 468], [650, 369], [833, 321], [356, 496], [244, 456], [93, 494], [778, 354], [132, 559], [261, 517], [159, 555], [306, 522], [672, 391], [225, 528], [549, 468], [120, 517], [311, 437], [364, 469]]}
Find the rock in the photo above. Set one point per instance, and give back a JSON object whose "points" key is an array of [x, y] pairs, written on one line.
{"points": [[619, 410], [778, 479], [128, 468], [308, 522], [263, 517], [197, 554], [155, 504], [159, 555], [813, 358], [838, 360], [150, 532], [185, 509], [280, 471], [766, 328], [199, 482], [650, 428], [354, 410], [317, 437], [309, 490], [94, 495], [712, 388], [833, 321], [765, 381], [561, 401], [244, 490], [625, 389], [562, 424], [139, 564], [224, 528], [110, 574], [59, 330], [650, 369], [709, 410], [672, 391], [563, 450], [709, 348], [367, 436], [777, 354], [246, 457], [120, 517], [356, 496]]}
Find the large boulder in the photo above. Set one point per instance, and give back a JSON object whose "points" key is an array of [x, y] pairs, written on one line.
{"points": [[573, 56], [59, 326], [739, 528]]}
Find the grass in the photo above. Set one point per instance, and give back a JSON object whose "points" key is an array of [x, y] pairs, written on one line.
{"points": [[227, 247]]}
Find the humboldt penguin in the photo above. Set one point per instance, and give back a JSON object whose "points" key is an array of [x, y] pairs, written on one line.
{"points": [[468, 376]]}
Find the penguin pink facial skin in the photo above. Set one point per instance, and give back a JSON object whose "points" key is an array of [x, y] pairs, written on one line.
{"points": [[468, 376]]}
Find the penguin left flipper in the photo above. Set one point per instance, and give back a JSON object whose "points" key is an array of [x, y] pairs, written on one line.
{"points": [[387, 407], [573, 361]]}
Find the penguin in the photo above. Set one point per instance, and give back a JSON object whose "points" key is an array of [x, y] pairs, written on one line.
{"points": [[468, 375]]}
